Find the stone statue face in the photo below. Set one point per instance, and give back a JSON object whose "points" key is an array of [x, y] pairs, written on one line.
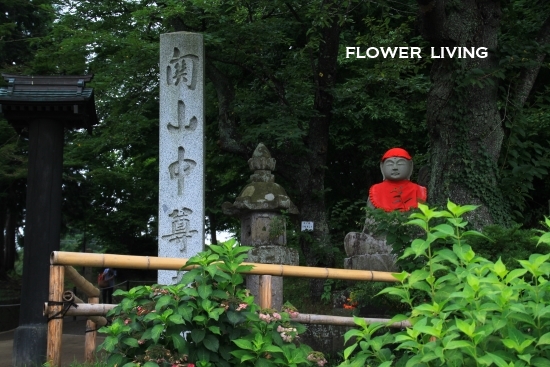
{"points": [[396, 169]]}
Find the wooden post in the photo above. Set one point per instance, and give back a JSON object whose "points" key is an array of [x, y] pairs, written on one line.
{"points": [[55, 326], [265, 291], [42, 234], [91, 333]]}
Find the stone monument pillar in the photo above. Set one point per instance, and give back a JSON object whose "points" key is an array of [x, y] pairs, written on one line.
{"points": [[262, 226], [181, 152]]}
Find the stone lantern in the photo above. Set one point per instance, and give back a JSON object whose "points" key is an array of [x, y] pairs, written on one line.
{"points": [[263, 226]]}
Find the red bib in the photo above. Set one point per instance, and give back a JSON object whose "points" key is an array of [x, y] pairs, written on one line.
{"points": [[397, 195]]}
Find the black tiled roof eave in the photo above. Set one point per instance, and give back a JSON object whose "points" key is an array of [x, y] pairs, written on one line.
{"points": [[59, 98], [45, 96]]}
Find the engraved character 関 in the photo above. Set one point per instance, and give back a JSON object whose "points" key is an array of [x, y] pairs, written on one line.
{"points": [[181, 69]]}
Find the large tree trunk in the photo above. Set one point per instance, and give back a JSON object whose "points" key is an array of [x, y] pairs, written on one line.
{"points": [[529, 75], [213, 235], [464, 124], [311, 175]]}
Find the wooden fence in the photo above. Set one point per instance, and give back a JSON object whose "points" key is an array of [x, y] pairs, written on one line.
{"points": [[61, 266]]}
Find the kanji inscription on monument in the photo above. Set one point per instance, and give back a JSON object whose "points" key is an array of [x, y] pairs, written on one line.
{"points": [[181, 228], [181, 155]]}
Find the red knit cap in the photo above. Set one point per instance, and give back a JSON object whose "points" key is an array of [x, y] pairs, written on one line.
{"points": [[396, 152]]}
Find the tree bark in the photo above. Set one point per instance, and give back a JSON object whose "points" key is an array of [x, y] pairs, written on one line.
{"points": [[465, 127], [529, 75], [230, 139], [311, 176], [213, 226]]}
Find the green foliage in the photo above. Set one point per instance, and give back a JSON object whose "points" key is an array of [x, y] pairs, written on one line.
{"points": [[508, 244], [524, 160], [208, 319], [472, 311], [326, 296], [111, 176], [265, 55], [22, 23], [344, 215], [368, 298]]}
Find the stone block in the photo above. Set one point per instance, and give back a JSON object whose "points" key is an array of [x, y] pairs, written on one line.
{"points": [[325, 338], [263, 229], [253, 285], [375, 262], [273, 255], [356, 243]]}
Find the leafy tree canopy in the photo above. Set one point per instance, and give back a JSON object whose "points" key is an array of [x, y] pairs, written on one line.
{"points": [[277, 73]]}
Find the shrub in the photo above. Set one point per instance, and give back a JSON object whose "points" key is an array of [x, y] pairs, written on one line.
{"points": [[208, 319], [472, 311], [508, 244]]}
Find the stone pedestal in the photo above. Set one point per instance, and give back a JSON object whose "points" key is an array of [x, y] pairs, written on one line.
{"points": [[367, 252], [271, 255], [262, 226]]}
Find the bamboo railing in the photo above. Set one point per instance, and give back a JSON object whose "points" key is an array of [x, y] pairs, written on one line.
{"points": [[61, 265], [55, 325], [166, 263]]}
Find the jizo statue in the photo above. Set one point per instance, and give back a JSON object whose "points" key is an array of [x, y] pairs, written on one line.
{"points": [[396, 192], [368, 250]]}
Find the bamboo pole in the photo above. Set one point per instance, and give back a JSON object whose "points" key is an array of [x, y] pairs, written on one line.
{"points": [[344, 321], [70, 297], [265, 291], [88, 309], [55, 326], [102, 309], [80, 282], [91, 334], [164, 263]]}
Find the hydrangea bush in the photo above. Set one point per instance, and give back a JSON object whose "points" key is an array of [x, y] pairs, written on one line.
{"points": [[469, 311], [208, 319]]}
